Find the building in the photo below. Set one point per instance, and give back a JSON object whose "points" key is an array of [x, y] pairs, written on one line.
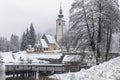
{"points": [[51, 42], [41, 46], [46, 44], [60, 26]]}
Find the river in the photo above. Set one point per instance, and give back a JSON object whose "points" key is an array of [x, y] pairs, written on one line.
{"points": [[3, 76]]}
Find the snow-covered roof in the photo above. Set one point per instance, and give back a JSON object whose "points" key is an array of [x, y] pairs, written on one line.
{"points": [[50, 39], [72, 58], [44, 44]]}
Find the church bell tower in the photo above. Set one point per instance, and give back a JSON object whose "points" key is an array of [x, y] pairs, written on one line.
{"points": [[60, 25]]}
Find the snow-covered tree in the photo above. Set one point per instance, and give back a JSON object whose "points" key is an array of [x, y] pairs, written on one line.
{"points": [[66, 42], [32, 35], [38, 36], [28, 38], [4, 44], [96, 21], [23, 42], [14, 42]]}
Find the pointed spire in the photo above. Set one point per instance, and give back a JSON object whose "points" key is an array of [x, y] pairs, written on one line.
{"points": [[60, 11], [60, 5]]}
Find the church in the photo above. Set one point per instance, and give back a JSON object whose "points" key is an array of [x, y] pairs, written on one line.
{"points": [[48, 42]]}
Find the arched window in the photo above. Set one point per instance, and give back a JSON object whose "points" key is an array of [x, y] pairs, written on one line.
{"points": [[59, 24]]}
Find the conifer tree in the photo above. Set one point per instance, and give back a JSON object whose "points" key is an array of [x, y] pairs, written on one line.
{"points": [[27, 36], [24, 42], [14, 42], [32, 35]]}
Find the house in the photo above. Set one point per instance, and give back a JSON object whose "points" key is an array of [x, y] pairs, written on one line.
{"points": [[41, 46], [51, 42]]}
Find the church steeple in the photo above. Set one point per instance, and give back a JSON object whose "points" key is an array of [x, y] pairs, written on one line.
{"points": [[60, 25], [60, 12]]}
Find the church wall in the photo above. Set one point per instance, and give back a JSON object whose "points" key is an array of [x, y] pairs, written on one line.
{"points": [[52, 47]]}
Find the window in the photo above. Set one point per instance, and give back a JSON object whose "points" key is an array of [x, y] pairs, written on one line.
{"points": [[59, 24]]}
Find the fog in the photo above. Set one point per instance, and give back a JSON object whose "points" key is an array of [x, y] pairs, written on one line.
{"points": [[17, 15]]}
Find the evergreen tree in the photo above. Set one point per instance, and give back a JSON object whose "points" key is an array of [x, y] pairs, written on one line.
{"points": [[32, 35], [38, 36], [24, 42], [27, 37], [14, 43], [4, 44]]}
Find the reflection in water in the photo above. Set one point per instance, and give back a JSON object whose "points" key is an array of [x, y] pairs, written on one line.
{"points": [[2, 72]]}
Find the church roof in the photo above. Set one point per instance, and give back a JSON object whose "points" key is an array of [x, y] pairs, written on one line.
{"points": [[50, 38], [44, 44], [41, 44]]}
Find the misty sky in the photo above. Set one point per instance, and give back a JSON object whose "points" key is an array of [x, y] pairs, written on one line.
{"points": [[17, 15]]}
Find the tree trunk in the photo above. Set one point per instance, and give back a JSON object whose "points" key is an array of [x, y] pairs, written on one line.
{"points": [[109, 37], [91, 39], [99, 29]]}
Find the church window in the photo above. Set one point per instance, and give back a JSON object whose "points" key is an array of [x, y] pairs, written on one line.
{"points": [[59, 24]]}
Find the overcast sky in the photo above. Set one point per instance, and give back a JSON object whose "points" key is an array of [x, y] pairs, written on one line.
{"points": [[17, 15]]}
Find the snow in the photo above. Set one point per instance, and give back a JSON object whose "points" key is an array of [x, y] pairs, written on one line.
{"points": [[106, 71], [50, 39], [72, 58], [44, 44], [9, 57], [45, 55]]}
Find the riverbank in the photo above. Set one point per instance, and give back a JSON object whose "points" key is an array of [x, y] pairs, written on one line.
{"points": [[109, 70], [24, 57]]}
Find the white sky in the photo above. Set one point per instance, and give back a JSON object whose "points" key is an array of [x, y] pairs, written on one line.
{"points": [[17, 15]]}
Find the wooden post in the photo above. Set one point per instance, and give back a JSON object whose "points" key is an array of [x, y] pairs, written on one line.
{"points": [[17, 75], [27, 74], [53, 71], [13, 72], [35, 74]]}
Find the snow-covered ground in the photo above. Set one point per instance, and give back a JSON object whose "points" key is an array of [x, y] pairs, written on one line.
{"points": [[9, 57], [106, 71]]}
